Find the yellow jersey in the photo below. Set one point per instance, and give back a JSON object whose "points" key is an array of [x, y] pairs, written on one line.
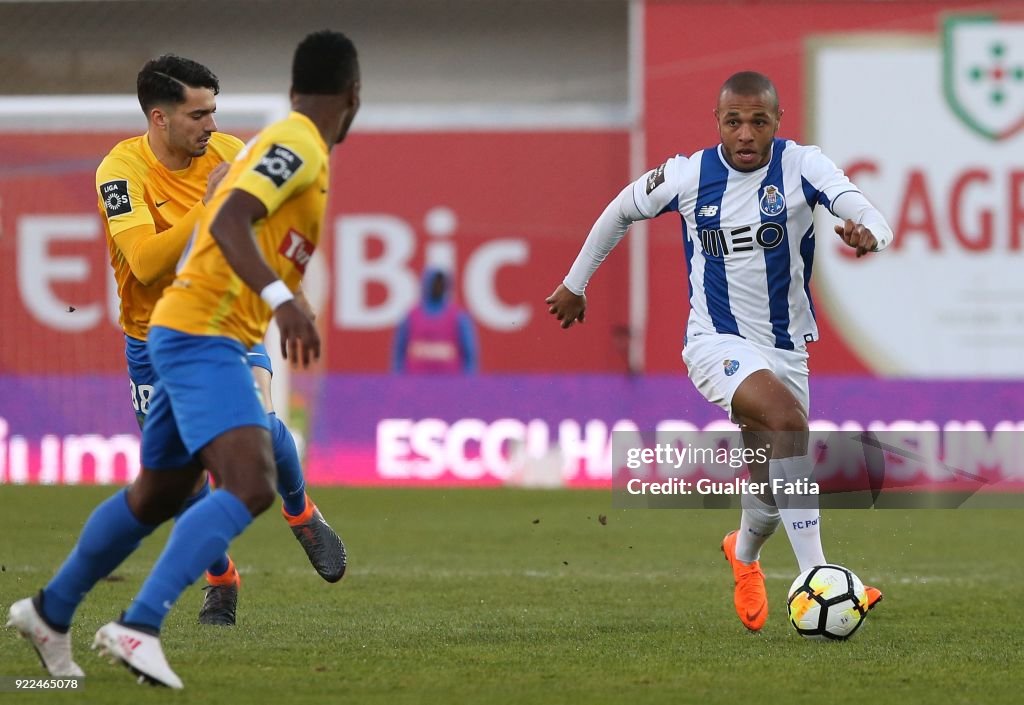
{"points": [[149, 212], [286, 168]]}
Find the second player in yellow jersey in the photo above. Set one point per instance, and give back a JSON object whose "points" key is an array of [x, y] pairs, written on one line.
{"points": [[153, 190], [150, 212], [205, 413]]}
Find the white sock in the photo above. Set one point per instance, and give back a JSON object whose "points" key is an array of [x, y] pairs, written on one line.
{"points": [[757, 522], [799, 512]]}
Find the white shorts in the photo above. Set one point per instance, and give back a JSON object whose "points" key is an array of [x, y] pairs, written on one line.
{"points": [[718, 363]]}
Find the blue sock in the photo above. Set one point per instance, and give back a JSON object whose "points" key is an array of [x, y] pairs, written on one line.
{"points": [[201, 535], [221, 565], [290, 483], [109, 536]]}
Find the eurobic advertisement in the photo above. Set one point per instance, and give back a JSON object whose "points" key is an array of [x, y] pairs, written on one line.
{"points": [[923, 341]]}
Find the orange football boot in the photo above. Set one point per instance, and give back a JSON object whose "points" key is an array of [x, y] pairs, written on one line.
{"points": [[874, 596], [749, 597]]}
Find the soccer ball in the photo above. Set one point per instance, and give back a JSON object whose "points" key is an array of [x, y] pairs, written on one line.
{"points": [[827, 602]]}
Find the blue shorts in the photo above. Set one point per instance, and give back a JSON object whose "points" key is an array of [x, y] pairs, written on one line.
{"points": [[258, 357], [205, 389], [142, 377]]}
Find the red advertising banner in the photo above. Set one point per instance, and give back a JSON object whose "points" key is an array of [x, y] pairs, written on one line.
{"points": [[505, 212], [684, 69], [58, 304]]}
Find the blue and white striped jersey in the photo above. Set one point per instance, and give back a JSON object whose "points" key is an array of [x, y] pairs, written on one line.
{"points": [[749, 237]]}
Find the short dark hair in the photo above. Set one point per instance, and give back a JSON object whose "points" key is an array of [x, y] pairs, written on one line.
{"points": [[325, 63], [750, 83], [163, 80]]}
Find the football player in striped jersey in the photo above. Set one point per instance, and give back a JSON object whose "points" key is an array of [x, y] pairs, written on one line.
{"points": [[746, 208]]}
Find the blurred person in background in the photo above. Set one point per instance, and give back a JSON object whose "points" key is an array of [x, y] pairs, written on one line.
{"points": [[438, 335], [747, 211]]}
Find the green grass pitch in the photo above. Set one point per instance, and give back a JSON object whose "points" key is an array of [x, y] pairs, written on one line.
{"points": [[513, 596]]}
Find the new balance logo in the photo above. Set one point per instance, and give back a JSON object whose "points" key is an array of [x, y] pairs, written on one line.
{"points": [[707, 212], [129, 643]]}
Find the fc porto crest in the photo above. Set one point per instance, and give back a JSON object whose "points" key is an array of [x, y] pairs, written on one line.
{"points": [[983, 73], [772, 201], [731, 366]]}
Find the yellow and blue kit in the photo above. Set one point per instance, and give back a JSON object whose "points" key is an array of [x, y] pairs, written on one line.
{"points": [[203, 326]]}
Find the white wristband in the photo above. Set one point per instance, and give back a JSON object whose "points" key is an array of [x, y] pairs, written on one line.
{"points": [[276, 293]]}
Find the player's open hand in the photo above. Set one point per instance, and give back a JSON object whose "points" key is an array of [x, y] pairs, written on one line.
{"points": [[300, 342], [567, 306], [858, 237], [214, 179]]}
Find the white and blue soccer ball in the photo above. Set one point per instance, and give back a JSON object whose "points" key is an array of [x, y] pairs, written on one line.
{"points": [[827, 602]]}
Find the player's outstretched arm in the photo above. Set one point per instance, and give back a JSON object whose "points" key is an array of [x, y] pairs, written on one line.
{"points": [[647, 197], [232, 230], [863, 228], [564, 303]]}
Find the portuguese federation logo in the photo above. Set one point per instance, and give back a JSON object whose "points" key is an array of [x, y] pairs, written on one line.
{"points": [[983, 73]]}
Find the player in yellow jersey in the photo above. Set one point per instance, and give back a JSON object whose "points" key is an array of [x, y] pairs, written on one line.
{"points": [[152, 192], [152, 189], [244, 265]]}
